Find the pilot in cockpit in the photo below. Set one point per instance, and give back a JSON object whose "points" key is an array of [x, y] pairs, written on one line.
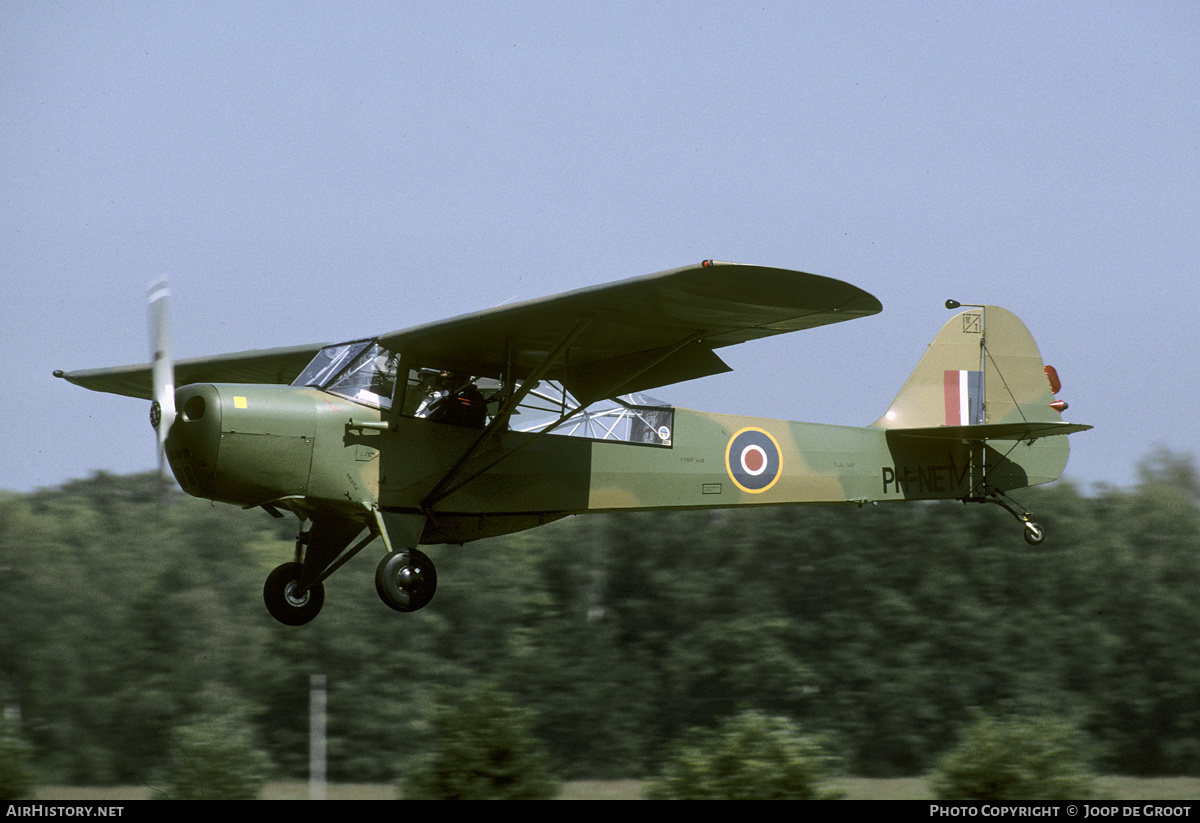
{"points": [[452, 400], [435, 386]]}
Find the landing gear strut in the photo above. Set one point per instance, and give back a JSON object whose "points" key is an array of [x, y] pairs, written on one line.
{"points": [[294, 592], [1033, 532], [405, 578]]}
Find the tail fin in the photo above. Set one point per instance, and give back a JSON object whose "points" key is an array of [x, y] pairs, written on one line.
{"points": [[982, 392], [981, 378]]}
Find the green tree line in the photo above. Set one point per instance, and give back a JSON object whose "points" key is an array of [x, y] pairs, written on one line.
{"points": [[886, 630]]}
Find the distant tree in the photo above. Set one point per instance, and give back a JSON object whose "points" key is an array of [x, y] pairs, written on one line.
{"points": [[1040, 758], [1163, 466], [880, 628], [750, 756], [214, 758], [16, 772], [484, 750]]}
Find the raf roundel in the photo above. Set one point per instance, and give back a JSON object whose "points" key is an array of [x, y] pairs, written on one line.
{"points": [[752, 460]]}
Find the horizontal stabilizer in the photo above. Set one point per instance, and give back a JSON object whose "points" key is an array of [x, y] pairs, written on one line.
{"points": [[1025, 430]]}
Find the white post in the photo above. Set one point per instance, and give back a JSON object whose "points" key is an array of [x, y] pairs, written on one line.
{"points": [[316, 737]]}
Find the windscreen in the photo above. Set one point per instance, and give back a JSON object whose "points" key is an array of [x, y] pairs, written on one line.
{"points": [[362, 371]]}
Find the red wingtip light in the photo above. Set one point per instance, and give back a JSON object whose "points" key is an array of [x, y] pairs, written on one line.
{"points": [[1059, 406]]}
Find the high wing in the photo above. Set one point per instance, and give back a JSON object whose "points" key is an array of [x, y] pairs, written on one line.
{"points": [[635, 334], [280, 365], [621, 337]]}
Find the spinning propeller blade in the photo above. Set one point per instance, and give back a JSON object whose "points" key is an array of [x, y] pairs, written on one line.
{"points": [[162, 410]]}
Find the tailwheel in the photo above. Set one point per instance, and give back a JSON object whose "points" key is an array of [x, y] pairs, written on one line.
{"points": [[406, 580], [286, 601], [1034, 533]]}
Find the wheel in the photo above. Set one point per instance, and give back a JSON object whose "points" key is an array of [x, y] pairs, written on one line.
{"points": [[406, 580], [1034, 533], [284, 600]]}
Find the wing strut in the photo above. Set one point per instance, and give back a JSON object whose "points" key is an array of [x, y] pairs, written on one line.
{"points": [[506, 408], [443, 489]]}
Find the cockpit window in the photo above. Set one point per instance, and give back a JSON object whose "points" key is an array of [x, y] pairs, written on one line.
{"points": [[631, 418], [365, 372], [369, 379], [362, 371], [328, 362], [448, 397]]}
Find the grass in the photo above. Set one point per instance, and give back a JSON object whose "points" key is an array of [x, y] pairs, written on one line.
{"points": [[857, 788]]}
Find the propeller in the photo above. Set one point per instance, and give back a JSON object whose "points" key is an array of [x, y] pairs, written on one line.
{"points": [[162, 410]]}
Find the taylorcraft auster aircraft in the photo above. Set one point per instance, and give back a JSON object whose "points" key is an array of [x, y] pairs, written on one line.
{"points": [[515, 416]]}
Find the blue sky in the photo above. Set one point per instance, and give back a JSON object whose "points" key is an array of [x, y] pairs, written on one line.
{"points": [[311, 172]]}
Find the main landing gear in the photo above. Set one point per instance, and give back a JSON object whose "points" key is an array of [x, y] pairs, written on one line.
{"points": [[288, 601], [1033, 532], [405, 578], [292, 599]]}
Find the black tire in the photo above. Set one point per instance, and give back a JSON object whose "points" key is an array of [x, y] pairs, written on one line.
{"points": [[283, 604], [406, 580], [1034, 534]]}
